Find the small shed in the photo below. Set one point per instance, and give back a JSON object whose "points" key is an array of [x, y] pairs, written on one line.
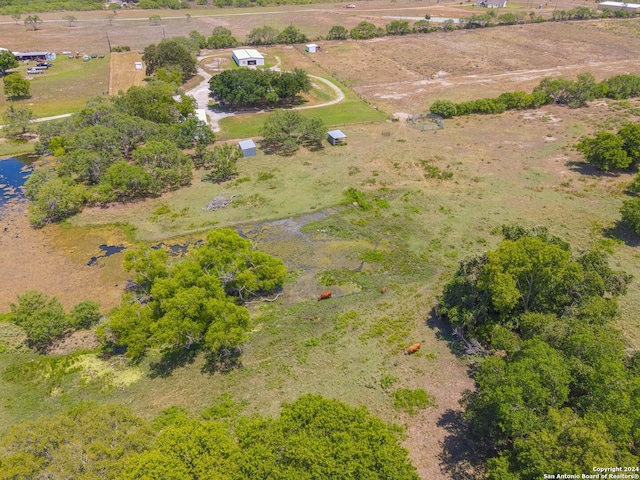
{"points": [[248, 148], [201, 115], [248, 57], [336, 137], [312, 48]]}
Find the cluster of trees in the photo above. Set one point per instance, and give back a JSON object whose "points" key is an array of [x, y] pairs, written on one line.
{"points": [[618, 151], [172, 4], [285, 131], [608, 150], [170, 55], [558, 91], [116, 149], [221, 37], [313, 437], [247, 88], [44, 320], [195, 303], [563, 396], [268, 36]]}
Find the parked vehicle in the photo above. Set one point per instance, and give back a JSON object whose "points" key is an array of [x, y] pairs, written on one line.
{"points": [[34, 71]]}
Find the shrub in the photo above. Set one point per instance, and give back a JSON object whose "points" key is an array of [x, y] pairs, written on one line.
{"points": [[444, 108], [411, 401]]}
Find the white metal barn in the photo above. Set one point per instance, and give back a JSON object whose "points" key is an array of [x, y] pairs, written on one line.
{"points": [[631, 8], [248, 57]]}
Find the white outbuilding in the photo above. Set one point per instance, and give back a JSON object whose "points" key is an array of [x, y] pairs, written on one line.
{"points": [[312, 48], [248, 57], [336, 137], [248, 148], [631, 8]]}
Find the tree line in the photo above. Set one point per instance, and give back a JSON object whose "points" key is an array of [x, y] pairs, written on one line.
{"points": [[562, 393], [313, 437], [556, 91]]}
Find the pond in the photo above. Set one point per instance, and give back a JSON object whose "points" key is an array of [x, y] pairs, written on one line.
{"points": [[13, 173]]}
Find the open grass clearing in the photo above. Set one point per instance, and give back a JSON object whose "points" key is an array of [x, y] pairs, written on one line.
{"points": [[63, 88], [349, 111]]}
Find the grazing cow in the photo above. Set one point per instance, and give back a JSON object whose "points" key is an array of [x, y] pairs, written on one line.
{"points": [[412, 349], [383, 290], [324, 296]]}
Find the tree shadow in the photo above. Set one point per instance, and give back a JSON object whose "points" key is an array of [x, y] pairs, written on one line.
{"points": [[462, 457], [223, 361], [443, 330], [586, 168], [621, 231], [170, 360]]}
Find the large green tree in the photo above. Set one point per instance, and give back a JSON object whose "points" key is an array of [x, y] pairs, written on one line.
{"points": [[318, 438], [7, 61], [263, 36], [285, 131], [15, 86], [193, 301], [17, 121], [169, 53], [605, 151], [366, 30], [338, 32], [290, 35], [630, 211]]}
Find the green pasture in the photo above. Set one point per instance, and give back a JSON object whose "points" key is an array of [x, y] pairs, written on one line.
{"points": [[63, 88], [351, 110]]}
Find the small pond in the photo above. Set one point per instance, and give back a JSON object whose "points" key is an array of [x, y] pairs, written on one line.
{"points": [[13, 173]]}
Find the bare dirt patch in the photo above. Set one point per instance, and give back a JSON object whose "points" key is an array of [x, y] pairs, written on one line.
{"points": [[54, 260], [123, 73]]}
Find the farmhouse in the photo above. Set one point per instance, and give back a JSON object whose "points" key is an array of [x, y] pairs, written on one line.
{"points": [[248, 57], [631, 8], [336, 137], [248, 148], [34, 55]]}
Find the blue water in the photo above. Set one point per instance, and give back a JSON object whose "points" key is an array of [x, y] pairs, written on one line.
{"points": [[13, 173]]}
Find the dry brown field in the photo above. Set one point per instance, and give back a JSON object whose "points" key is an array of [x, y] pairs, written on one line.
{"points": [[123, 73]]}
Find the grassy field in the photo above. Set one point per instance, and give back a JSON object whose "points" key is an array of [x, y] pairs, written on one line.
{"points": [[518, 167], [65, 87], [351, 110]]}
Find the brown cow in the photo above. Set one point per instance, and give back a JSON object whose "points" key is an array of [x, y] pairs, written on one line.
{"points": [[324, 296], [412, 349], [383, 290]]}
